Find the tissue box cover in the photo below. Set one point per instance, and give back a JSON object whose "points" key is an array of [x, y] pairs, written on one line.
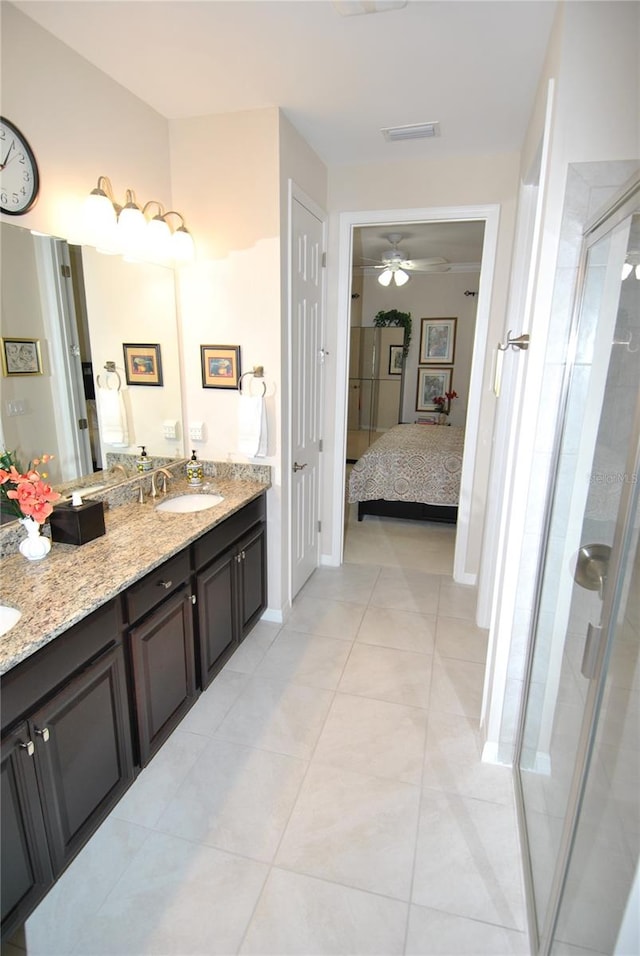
{"points": [[77, 524]]}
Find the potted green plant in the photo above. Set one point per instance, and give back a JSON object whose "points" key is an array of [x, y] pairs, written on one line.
{"points": [[394, 317]]}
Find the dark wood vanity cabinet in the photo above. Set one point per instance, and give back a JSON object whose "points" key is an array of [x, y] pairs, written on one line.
{"points": [[66, 761], [100, 699], [231, 585], [161, 645], [26, 865]]}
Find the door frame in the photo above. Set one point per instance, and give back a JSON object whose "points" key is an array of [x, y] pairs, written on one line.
{"points": [[490, 214]]}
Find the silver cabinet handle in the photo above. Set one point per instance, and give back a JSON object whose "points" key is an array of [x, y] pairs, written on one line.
{"points": [[165, 584], [29, 747], [297, 467], [44, 733]]}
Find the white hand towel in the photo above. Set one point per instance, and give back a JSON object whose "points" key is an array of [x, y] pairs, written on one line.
{"points": [[112, 416], [252, 426]]}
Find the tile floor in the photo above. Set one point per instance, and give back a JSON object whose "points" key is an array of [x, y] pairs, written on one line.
{"points": [[325, 795]]}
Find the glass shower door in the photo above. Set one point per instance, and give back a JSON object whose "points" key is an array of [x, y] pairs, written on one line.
{"points": [[581, 832]]}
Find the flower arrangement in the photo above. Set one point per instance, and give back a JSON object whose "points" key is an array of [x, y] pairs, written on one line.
{"points": [[445, 400], [25, 493]]}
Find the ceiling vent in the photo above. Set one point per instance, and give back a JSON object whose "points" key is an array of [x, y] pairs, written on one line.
{"points": [[414, 131]]}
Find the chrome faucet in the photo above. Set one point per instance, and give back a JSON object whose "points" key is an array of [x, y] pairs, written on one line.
{"points": [[165, 474]]}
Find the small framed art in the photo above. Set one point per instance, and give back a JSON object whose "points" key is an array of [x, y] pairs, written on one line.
{"points": [[437, 341], [396, 359], [220, 366], [431, 383], [142, 364], [21, 356]]}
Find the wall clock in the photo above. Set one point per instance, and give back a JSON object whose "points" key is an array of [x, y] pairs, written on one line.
{"points": [[19, 179]]}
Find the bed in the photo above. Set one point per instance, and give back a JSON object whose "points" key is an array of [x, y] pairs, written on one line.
{"points": [[412, 471]]}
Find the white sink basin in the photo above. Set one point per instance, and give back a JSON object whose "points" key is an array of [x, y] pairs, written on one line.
{"points": [[185, 503], [8, 617]]}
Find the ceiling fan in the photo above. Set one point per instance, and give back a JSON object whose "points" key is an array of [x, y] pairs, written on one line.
{"points": [[396, 266]]}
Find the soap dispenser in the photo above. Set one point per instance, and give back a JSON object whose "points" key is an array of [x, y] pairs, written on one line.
{"points": [[195, 472], [143, 463]]}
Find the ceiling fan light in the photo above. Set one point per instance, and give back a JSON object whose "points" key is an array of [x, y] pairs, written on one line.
{"points": [[638, 271], [385, 277], [401, 276]]}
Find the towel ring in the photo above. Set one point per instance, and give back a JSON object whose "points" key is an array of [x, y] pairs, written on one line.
{"points": [[110, 371], [254, 375]]}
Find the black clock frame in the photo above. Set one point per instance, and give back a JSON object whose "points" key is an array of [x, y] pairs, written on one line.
{"points": [[36, 174]]}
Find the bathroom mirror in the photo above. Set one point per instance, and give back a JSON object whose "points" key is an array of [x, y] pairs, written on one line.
{"points": [[76, 328]]}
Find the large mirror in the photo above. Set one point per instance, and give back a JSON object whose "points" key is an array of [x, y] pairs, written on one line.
{"points": [[67, 313]]}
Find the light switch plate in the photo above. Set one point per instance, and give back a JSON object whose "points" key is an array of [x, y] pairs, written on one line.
{"points": [[196, 431], [170, 430]]}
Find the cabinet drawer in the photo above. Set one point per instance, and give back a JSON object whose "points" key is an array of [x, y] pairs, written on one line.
{"points": [[158, 585], [32, 680], [214, 542]]}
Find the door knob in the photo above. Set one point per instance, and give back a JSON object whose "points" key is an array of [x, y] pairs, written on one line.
{"points": [[297, 467]]}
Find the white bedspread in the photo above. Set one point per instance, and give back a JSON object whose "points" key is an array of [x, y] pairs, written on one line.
{"points": [[411, 463]]}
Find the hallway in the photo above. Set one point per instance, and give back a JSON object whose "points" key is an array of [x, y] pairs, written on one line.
{"points": [[325, 795]]}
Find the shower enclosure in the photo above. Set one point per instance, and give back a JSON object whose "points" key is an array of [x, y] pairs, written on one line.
{"points": [[578, 767]]}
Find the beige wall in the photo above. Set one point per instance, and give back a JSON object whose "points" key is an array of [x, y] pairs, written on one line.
{"points": [[230, 178], [430, 296], [80, 124]]}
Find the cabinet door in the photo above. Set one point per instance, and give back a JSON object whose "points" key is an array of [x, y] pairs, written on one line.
{"points": [[26, 867], [162, 652], [252, 571], [83, 754], [217, 619]]}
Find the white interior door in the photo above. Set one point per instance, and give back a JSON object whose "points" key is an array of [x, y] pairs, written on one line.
{"points": [[306, 389]]}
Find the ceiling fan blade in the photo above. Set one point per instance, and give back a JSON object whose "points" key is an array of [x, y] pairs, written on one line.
{"points": [[424, 263], [413, 268]]}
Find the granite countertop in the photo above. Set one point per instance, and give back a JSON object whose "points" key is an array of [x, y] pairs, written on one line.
{"points": [[71, 581]]}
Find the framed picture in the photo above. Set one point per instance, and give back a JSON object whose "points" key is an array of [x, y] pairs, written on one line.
{"points": [[142, 364], [396, 359], [21, 356], [437, 342], [432, 382], [220, 366]]}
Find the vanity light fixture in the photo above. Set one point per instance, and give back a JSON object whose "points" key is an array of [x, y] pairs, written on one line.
{"points": [[183, 246], [133, 231], [101, 212], [131, 225], [157, 238]]}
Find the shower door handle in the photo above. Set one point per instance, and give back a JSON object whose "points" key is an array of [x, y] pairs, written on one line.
{"points": [[591, 651]]}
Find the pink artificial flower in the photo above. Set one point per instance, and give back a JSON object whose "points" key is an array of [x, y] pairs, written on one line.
{"points": [[11, 475]]}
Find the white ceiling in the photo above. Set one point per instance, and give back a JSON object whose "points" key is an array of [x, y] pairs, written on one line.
{"points": [[472, 65]]}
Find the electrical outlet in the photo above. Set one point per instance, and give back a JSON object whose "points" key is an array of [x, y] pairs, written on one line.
{"points": [[16, 407], [196, 431]]}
